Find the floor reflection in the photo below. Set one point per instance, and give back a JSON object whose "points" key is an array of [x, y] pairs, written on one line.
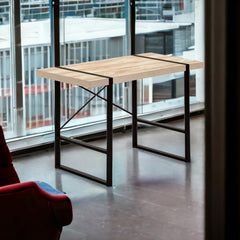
{"points": [[153, 197]]}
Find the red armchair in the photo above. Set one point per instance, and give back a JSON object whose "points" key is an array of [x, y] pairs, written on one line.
{"points": [[26, 210]]}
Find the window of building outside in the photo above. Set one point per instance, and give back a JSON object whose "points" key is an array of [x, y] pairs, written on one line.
{"points": [[94, 30]]}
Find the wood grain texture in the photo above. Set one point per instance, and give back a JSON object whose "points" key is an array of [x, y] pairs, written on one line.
{"points": [[121, 69]]}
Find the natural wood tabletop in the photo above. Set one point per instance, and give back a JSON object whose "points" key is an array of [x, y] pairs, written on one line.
{"points": [[121, 69]]}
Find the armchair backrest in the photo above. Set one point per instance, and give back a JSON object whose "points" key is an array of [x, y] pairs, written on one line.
{"points": [[8, 174]]}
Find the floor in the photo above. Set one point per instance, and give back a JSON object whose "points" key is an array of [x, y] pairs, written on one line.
{"points": [[153, 197]]}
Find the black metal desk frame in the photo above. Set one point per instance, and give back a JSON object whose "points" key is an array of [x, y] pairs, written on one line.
{"points": [[109, 150], [186, 129]]}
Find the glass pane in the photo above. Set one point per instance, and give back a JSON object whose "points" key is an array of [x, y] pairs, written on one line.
{"points": [[6, 109], [165, 27], [35, 30], [90, 31], [94, 30]]}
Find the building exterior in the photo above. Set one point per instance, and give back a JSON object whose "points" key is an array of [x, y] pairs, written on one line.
{"points": [[163, 10]]}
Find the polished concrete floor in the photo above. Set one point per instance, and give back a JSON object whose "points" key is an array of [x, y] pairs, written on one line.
{"points": [[153, 197]]}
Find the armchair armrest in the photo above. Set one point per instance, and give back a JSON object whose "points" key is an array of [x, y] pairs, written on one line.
{"points": [[27, 207], [61, 205]]}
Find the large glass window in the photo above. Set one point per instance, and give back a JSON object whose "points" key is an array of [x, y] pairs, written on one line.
{"points": [[89, 31]]}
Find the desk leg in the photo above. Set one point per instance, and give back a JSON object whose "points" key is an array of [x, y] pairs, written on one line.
{"points": [[187, 113], [109, 131], [57, 144], [134, 114]]}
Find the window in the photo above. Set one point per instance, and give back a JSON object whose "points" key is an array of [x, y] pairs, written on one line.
{"points": [[93, 30], [6, 113]]}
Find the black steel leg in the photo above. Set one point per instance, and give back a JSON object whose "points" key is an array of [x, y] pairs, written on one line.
{"points": [[109, 132], [134, 114], [187, 113], [187, 157], [55, 47], [108, 151], [57, 145]]}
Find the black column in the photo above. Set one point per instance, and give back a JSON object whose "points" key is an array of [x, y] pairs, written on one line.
{"points": [[222, 182], [233, 121], [55, 44], [134, 83]]}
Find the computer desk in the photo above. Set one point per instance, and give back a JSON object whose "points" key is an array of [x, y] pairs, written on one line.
{"points": [[105, 73]]}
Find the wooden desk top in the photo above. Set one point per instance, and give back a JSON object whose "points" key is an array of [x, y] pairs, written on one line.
{"points": [[121, 69]]}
